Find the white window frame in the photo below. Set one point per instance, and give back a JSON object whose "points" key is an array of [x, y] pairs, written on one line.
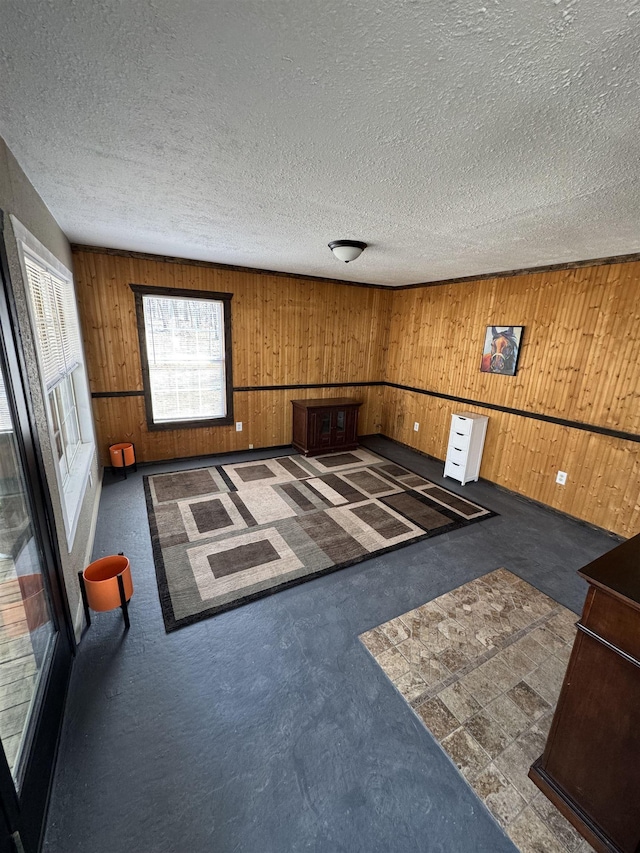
{"points": [[72, 468]]}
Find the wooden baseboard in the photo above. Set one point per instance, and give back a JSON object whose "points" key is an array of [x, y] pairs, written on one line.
{"points": [[524, 497]]}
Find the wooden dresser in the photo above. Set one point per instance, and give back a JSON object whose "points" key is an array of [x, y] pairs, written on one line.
{"points": [[590, 769], [320, 426]]}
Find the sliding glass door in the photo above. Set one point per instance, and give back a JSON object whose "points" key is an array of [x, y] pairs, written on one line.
{"points": [[26, 625], [35, 641]]}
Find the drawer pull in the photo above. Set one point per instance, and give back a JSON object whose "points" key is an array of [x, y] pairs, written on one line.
{"points": [[606, 643], [459, 433], [457, 464], [459, 449]]}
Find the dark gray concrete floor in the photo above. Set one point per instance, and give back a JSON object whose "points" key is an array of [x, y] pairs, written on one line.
{"points": [[269, 728]]}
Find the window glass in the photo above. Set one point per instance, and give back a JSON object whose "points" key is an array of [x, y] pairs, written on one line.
{"points": [[186, 358], [54, 319], [26, 627], [65, 423]]}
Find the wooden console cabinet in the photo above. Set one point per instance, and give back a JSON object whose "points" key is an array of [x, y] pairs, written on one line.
{"points": [[590, 769], [320, 426]]}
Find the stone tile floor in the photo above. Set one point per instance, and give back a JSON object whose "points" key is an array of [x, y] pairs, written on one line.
{"points": [[482, 666]]}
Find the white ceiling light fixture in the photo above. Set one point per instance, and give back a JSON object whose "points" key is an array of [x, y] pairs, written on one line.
{"points": [[347, 250]]}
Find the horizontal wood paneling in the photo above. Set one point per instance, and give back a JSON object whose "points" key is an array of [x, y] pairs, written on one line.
{"points": [[578, 362], [285, 331]]}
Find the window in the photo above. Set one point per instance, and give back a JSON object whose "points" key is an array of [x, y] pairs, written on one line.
{"points": [[56, 329], [58, 336], [6, 422], [185, 348]]}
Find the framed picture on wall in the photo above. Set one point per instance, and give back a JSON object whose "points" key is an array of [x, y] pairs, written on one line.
{"points": [[501, 350]]}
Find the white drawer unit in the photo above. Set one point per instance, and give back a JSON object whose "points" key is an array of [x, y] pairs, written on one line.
{"points": [[464, 452]]}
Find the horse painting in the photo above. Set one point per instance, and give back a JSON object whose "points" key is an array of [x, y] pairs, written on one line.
{"points": [[501, 348]]}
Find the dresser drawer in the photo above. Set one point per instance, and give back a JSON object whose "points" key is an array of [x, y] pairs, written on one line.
{"points": [[458, 439], [454, 469], [461, 425], [457, 455], [612, 620]]}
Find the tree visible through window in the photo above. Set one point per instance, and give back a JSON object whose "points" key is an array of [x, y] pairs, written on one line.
{"points": [[185, 348]]}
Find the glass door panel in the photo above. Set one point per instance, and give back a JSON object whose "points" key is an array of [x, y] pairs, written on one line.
{"points": [[26, 626]]}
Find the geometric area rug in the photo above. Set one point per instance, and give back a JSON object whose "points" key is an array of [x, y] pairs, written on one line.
{"points": [[227, 534], [482, 667]]}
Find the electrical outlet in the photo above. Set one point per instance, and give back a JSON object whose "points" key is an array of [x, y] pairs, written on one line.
{"points": [[561, 478], [416, 426], [238, 426], [251, 447]]}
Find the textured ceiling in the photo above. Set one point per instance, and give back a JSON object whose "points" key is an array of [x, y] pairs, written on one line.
{"points": [[456, 137]]}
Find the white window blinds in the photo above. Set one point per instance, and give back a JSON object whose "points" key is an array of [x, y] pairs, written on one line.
{"points": [[186, 357], [56, 329], [56, 322], [6, 423]]}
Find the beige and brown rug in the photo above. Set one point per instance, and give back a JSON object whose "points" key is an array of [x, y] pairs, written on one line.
{"points": [[482, 667], [228, 534]]}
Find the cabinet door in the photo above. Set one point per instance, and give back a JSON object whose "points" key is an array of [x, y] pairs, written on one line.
{"points": [[352, 426], [338, 427], [321, 433]]}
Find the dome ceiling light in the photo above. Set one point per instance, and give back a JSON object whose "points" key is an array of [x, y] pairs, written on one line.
{"points": [[347, 250]]}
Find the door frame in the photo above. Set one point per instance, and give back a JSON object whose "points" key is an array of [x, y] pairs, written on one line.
{"points": [[25, 811]]}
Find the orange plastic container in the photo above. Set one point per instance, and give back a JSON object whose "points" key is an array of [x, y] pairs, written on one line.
{"points": [[101, 582], [122, 455]]}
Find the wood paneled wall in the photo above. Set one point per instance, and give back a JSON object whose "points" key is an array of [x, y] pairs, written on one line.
{"points": [[266, 418], [579, 362], [286, 331]]}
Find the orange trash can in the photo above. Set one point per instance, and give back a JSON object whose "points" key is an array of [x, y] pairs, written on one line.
{"points": [[123, 456], [106, 584]]}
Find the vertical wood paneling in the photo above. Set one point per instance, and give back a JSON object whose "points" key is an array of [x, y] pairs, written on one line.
{"points": [[579, 355], [285, 331], [266, 418], [523, 455], [579, 361]]}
